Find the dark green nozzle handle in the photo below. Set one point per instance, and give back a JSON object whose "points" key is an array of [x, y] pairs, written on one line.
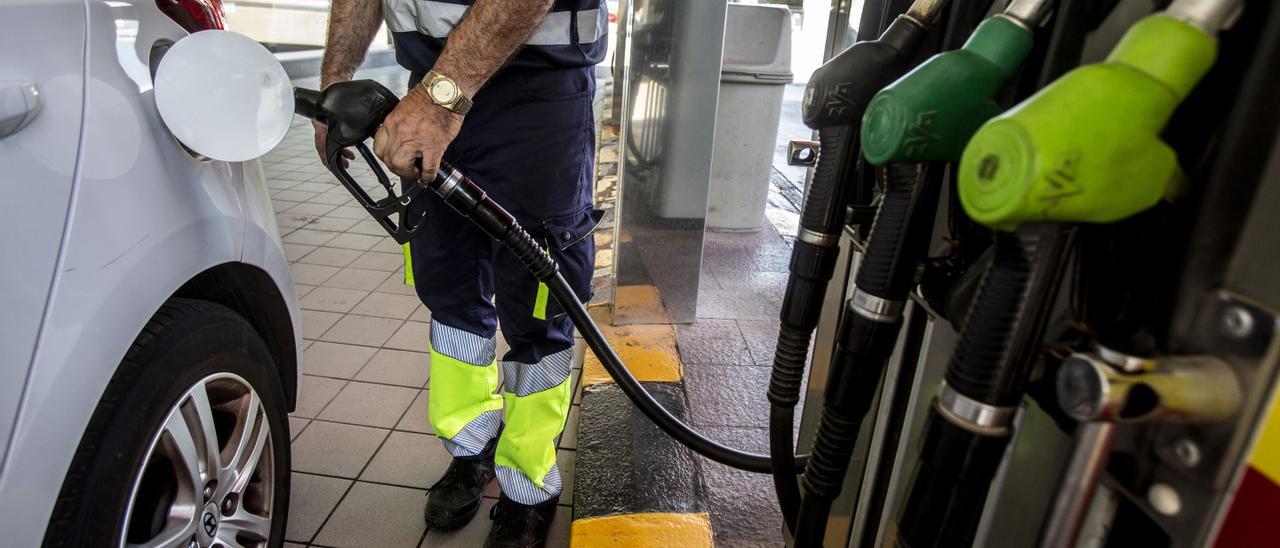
{"points": [[929, 114], [1087, 147]]}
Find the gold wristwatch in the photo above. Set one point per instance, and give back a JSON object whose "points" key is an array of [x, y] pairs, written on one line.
{"points": [[445, 92]]}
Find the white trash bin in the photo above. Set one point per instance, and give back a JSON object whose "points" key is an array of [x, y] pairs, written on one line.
{"points": [[755, 71]]}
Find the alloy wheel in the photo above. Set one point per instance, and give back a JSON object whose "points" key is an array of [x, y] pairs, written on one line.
{"points": [[208, 477]]}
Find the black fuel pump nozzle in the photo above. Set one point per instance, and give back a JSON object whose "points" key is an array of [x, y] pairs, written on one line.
{"points": [[836, 97], [352, 111]]}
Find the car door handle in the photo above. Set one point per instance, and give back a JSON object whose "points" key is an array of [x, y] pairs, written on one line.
{"points": [[19, 103]]}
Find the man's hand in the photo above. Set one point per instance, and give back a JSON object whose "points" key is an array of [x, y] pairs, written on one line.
{"points": [[416, 129], [347, 154]]}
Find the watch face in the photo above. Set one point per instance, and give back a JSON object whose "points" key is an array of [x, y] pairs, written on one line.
{"points": [[444, 91]]}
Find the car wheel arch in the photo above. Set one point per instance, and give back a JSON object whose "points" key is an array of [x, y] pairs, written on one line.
{"points": [[255, 296]]}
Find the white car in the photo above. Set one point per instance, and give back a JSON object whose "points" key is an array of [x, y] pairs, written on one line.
{"points": [[149, 334]]}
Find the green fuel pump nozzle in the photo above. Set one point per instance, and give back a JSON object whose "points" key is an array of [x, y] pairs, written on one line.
{"points": [[835, 99], [1087, 147], [929, 114], [925, 116]]}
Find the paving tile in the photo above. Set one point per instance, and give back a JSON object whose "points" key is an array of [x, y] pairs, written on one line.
{"points": [[414, 336], [330, 199], [275, 183], [376, 260], [399, 367], [295, 252], [369, 404], [348, 212], [711, 341], [315, 323], [558, 536], [311, 499], [376, 515], [309, 236], [410, 460], [416, 419], [301, 290], [387, 305], [472, 535], [569, 438], [280, 206], [296, 424], [315, 393], [420, 314], [369, 227], [395, 284], [362, 330], [313, 187], [293, 195], [357, 278], [336, 449], [735, 305], [332, 299], [313, 274], [312, 209], [762, 339], [737, 519], [566, 459], [727, 395], [387, 245], [330, 256], [335, 360], [285, 220], [355, 241], [331, 224]]}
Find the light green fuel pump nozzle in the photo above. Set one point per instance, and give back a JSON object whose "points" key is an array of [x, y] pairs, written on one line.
{"points": [[1087, 148], [930, 113]]}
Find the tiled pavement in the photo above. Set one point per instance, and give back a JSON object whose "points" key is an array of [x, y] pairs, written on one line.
{"points": [[727, 354], [363, 452]]}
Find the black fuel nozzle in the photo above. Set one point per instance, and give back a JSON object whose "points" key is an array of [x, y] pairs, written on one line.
{"points": [[839, 90], [352, 112]]}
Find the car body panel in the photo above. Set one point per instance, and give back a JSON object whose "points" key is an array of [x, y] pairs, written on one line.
{"points": [[146, 218], [39, 162]]}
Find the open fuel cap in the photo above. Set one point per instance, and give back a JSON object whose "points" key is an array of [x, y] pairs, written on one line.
{"points": [[224, 96]]}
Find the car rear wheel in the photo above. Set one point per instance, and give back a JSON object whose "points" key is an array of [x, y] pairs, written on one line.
{"points": [[189, 445]]}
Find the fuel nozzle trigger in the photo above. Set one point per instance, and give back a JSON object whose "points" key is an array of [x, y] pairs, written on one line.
{"points": [[352, 111]]}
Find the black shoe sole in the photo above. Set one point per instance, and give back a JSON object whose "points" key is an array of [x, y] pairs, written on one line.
{"points": [[436, 522]]}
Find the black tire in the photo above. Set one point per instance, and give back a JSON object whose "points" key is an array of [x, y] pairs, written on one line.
{"points": [[185, 342]]}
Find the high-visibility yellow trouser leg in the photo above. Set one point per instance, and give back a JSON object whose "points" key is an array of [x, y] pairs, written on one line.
{"points": [[461, 401]]}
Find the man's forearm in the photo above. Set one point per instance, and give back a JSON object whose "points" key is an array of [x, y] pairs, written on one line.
{"points": [[352, 25], [491, 31]]}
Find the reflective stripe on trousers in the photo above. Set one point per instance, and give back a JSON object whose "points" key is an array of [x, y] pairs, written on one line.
{"points": [[466, 413]]}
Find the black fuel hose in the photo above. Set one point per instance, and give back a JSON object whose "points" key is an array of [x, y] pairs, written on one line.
{"points": [[869, 327], [836, 98], [988, 371], [465, 197], [813, 260]]}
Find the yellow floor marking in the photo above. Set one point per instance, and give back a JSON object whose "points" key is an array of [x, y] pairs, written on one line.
{"points": [[649, 351], [640, 301], [637, 530]]}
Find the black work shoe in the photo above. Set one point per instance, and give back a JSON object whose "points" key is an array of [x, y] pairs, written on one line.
{"points": [[455, 498], [517, 525]]}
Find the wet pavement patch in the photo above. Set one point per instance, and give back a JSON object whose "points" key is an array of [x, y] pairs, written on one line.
{"points": [[626, 465]]}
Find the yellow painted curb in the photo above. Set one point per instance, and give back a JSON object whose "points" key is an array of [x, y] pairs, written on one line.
{"points": [[649, 352], [643, 530]]}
